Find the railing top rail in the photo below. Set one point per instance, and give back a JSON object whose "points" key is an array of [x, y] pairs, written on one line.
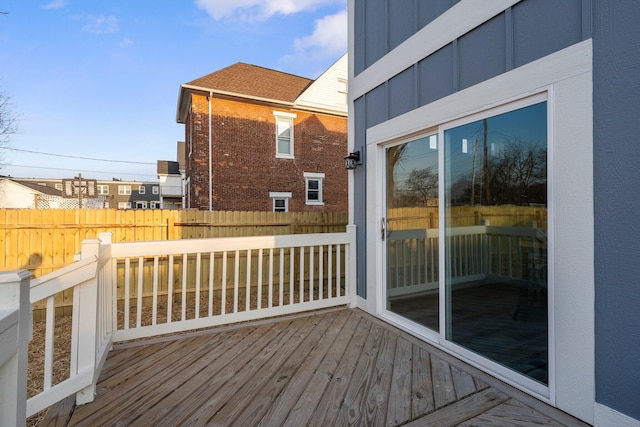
{"points": [[416, 233], [64, 278], [185, 246]]}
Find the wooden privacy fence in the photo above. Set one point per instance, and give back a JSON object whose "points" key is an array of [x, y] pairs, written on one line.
{"points": [[466, 216], [44, 240]]}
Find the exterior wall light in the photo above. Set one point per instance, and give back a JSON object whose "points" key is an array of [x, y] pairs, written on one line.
{"points": [[352, 160]]}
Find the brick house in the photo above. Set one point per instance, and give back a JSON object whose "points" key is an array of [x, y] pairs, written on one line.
{"points": [[258, 139]]}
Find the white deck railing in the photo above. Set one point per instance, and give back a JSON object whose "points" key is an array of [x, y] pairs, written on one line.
{"points": [[477, 253], [124, 291], [206, 282]]}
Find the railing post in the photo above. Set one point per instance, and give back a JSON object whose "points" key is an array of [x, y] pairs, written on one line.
{"points": [[14, 306], [85, 325], [109, 290], [352, 266]]}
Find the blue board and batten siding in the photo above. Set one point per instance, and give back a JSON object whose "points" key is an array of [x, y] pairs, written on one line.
{"points": [[521, 34], [525, 32], [616, 111]]}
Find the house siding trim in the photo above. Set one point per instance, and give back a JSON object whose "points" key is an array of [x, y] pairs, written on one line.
{"points": [[455, 22]]}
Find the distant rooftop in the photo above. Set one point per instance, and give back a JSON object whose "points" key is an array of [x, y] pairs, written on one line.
{"points": [[251, 80]]}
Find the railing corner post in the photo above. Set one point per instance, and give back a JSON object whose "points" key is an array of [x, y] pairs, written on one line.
{"points": [[85, 325], [15, 325]]}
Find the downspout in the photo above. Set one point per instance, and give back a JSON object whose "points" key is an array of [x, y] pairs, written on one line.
{"points": [[210, 155]]}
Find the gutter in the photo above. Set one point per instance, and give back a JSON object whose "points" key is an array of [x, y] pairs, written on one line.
{"points": [[210, 154]]}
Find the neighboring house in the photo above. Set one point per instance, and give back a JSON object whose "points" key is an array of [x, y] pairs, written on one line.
{"points": [[28, 195], [114, 194], [520, 117], [171, 177], [263, 140]]}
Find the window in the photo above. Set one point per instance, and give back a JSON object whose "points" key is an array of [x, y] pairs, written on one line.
{"points": [[155, 189], [280, 201], [103, 189], [59, 187], [106, 205], [313, 188], [124, 205], [124, 190], [284, 134], [152, 205], [342, 91], [141, 205], [141, 190]]}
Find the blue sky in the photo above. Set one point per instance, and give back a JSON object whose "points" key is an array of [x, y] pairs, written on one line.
{"points": [[100, 80]]}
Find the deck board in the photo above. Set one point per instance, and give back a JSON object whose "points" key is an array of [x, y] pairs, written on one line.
{"points": [[335, 367]]}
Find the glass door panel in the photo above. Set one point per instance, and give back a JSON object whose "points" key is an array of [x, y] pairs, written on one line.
{"points": [[495, 207], [412, 231]]}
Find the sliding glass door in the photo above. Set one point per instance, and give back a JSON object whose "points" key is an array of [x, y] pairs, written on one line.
{"points": [[465, 236], [411, 231], [495, 238]]}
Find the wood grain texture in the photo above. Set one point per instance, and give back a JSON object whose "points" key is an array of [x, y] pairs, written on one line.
{"points": [[337, 367]]}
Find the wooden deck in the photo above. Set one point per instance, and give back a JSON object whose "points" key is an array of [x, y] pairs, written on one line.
{"points": [[336, 367]]}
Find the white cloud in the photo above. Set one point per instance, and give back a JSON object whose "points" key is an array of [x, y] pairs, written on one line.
{"points": [[251, 10], [329, 37], [55, 4], [102, 25], [126, 42]]}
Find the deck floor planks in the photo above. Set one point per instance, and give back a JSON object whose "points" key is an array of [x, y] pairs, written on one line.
{"points": [[377, 400], [422, 400], [245, 391], [399, 408], [132, 380], [307, 404], [199, 374], [354, 403], [513, 414], [462, 410], [191, 394], [332, 368], [443, 390], [331, 401], [219, 390], [279, 393], [309, 370], [151, 383]]}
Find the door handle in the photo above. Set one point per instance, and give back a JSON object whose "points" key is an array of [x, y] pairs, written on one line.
{"points": [[383, 228]]}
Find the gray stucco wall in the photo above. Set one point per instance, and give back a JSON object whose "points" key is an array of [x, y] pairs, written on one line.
{"points": [[616, 109]]}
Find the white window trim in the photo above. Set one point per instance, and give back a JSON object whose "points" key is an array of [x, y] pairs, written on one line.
{"points": [[126, 190], [290, 117], [320, 178], [103, 189], [342, 93], [567, 78], [275, 195], [142, 190], [155, 190]]}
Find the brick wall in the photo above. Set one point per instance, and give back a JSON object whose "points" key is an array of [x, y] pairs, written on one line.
{"points": [[244, 165]]}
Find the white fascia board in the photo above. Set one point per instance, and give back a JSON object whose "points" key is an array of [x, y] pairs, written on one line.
{"points": [[455, 22]]}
